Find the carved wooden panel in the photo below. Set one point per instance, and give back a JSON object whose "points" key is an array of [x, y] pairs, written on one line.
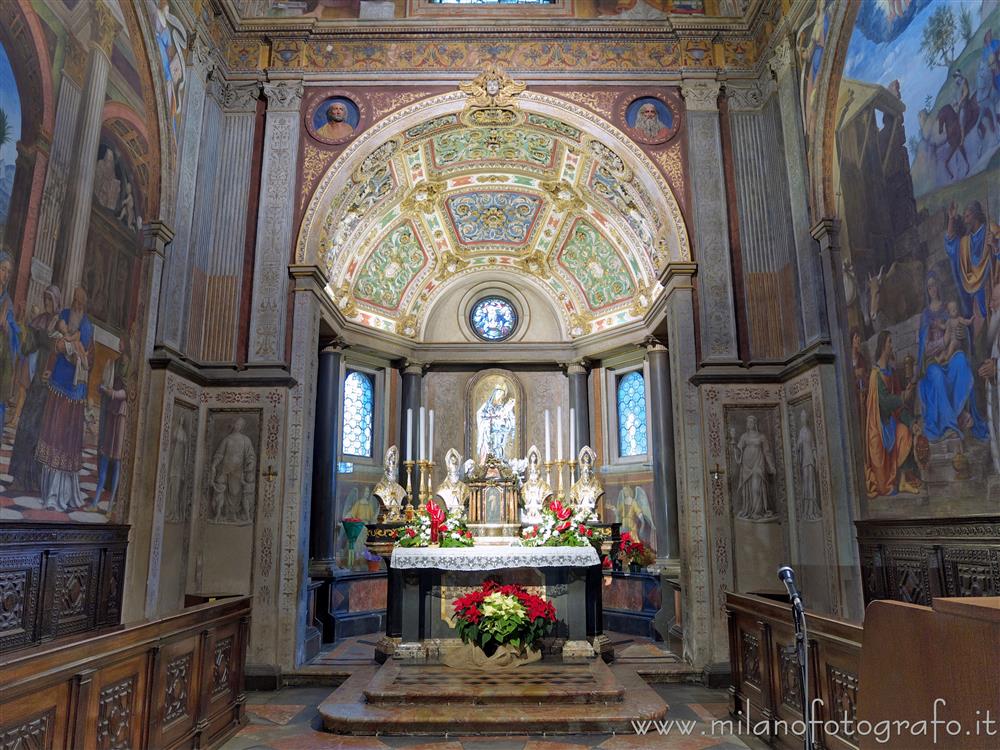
{"points": [[789, 686], [115, 713], [59, 579], [34, 733], [222, 666], [971, 572], [872, 572], [843, 692], [909, 576], [18, 598], [178, 688], [750, 649]]}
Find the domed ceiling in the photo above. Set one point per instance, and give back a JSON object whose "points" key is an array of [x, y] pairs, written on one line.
{"points": [[495, 189]]}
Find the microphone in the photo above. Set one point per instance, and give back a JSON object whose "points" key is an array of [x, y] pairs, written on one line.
{"points": [[787, 576]]}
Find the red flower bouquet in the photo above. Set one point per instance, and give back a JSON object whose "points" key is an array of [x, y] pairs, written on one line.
{"points": [[503, 615], [634, 553]]}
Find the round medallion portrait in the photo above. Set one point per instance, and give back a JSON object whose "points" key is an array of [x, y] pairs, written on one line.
{"points": [[334, 120], [493, 318], [650, 120]]}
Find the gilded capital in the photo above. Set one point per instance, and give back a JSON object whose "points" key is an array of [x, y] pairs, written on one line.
{"points": [[105, 28]]}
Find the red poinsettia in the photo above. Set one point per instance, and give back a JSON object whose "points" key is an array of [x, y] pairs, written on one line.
{"points": [[475, 625]]}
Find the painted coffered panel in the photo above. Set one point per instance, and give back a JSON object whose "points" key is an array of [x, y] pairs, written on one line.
{"points": [[483, 218], [386, 274], [598, 269]]}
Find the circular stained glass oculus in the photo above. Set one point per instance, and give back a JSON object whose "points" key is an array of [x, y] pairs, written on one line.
{"points": [[493, 318]]}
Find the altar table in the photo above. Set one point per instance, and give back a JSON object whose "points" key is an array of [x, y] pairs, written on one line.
{"points": [[428, 578]]}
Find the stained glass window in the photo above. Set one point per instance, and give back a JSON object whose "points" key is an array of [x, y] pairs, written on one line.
{"points": [[493, 318], [631, 394], [359, 413]]}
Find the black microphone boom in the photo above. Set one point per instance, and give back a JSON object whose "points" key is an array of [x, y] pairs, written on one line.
{"points": [[787, 576]]}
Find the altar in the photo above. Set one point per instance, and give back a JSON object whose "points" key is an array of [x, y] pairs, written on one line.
{"points": [[431, 578]]}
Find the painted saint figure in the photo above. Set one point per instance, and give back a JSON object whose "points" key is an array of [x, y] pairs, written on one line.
{"points": [[988, 371], [111, 432], [177, 474], [648, 124], [60, 442], [495, 424], [233, 482], [752, 452], [10, 337], [805, 456], [337, 127]]}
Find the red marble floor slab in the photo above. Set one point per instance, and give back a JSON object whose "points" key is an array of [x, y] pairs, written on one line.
{"points": [[274, 713], [310, 739]]}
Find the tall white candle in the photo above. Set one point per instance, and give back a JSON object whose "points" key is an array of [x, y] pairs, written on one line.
{"points": [[409, 434], [572, 434], [421, 454], [548, 439], [430, 438], [559, 454]]}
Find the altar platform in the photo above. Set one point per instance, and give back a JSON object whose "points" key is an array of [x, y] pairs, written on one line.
{"points": [[552, 696]]}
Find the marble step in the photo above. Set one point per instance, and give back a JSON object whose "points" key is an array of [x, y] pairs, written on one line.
{"points": [[346, 711], [550, 680]]}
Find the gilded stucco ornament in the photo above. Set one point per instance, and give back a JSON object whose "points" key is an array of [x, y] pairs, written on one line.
{"points": [[422, 198], [344, 298], [535, 264], [448, 265], [407, 325], [491, 89], [564, 196]]}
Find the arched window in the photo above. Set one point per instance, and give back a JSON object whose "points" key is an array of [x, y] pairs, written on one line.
{"points": [[631, 397], [359, 409]]}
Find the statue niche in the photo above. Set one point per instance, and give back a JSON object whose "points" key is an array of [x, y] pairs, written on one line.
{"points": [[494, 416], [493, 502]]}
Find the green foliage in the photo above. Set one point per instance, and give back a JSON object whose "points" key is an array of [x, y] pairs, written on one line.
{"points": [[4, 128], [939, 38], [965, 24]]}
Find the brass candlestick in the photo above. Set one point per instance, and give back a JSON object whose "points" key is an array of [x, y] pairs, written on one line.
{"points": [[560, 464], [572, 473], [426, 467], [548, 473], [408, 465]]}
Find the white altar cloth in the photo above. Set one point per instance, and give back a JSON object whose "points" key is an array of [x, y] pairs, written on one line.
{"points": [[492, 557]]}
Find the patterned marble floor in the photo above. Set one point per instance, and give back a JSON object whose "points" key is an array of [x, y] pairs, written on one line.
{"points": [[288, 719]]}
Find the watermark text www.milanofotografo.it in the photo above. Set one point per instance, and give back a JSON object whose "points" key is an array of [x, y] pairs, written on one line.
{"points": [[938, 729]]}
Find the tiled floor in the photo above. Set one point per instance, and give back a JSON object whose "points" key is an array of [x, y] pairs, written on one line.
{"points": [[288, 719]]}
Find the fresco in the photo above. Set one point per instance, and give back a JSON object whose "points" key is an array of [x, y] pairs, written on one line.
{"points": [[918, 140], [650, 120], [10, 133], [171, 41], [334, 120], [72, 311]]}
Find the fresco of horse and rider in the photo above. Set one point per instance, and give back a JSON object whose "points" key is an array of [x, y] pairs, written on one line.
{"points": [[918, 155]]}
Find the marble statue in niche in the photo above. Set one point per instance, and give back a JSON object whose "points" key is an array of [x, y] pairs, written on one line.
{"points": [[232, 471], [495, 423], [453, 490], [586, 492], [751, 453], [535, 492], [390, 492], [180, 488], [805, 469]]}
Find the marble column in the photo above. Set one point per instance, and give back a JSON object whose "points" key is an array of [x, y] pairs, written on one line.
{"points": [[57, 174], [174, 297], [410, 398], [324, 519], [710, 222], [579, 401], [811, 288], [88, 140], [274, 223], [661, 452], [221, 248]]}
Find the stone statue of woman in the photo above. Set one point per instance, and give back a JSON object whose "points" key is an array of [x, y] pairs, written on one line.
{"points": [[753, 455], [535, 492], [389, 492]]}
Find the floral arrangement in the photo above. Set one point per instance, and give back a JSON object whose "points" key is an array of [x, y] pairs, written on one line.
{"points": [[503, 615], [559, 528], [431, 525], [631, 551]]}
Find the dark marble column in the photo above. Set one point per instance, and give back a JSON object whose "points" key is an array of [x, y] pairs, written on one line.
{"points": [[323, 521], [579, 400], [661, 444], [410, 398]]}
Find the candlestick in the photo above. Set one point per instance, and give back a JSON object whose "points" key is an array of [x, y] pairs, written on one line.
{"points": [[409, 435], [548, 441], [430, 438], [421, 453], [548, 473], [408, 465], [559, 453]]}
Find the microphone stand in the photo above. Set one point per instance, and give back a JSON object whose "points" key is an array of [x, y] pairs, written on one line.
{"points": [[801, 652]]}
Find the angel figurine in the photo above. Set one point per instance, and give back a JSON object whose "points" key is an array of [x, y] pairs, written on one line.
{"points": [[453, 491], [535, 492], [586, 492], [388, 491]]}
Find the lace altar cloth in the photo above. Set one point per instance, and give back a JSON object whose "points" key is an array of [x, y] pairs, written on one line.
{"points": [[493, 557]]}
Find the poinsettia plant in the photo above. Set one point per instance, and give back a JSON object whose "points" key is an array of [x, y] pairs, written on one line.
{"points": [[559, 528], [632, 551], [432, 525], [503, 615]]}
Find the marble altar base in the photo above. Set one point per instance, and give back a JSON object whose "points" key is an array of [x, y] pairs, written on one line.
{"points": [[553, 696]]}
